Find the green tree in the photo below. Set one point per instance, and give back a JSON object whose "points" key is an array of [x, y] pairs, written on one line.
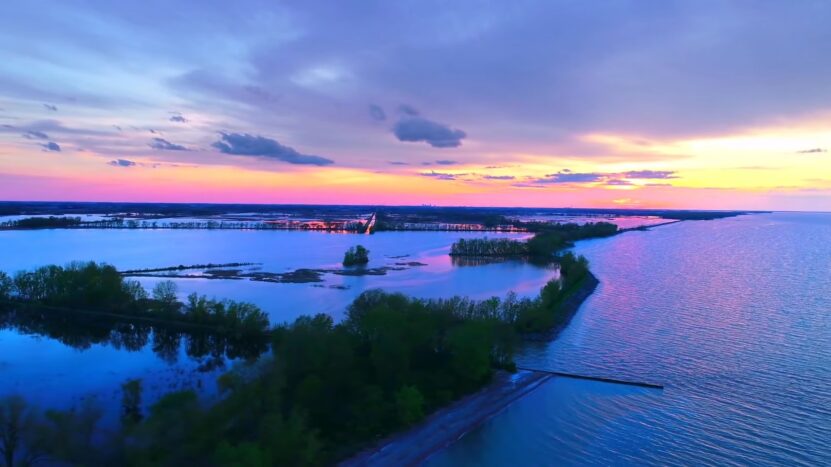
{"points": [[409, 404], [6, 286], [164, 293], [356, 255]]}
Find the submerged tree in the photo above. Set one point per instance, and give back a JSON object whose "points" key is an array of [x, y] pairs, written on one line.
{"points": [[356, 255]]}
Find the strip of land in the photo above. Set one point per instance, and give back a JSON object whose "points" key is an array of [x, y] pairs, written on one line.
{"points": [[450, 423]]}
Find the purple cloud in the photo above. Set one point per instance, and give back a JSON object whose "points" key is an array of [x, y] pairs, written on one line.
{"points": [[35, 135], [121, 163], [243, 144], [52, 146], [650, 174], [567, 176], [377, 113], [164, 145], [418, 129]]}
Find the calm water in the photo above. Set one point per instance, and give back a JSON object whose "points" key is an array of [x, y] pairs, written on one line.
{"points": [[280, 251], [733, 316], [95, 365]]}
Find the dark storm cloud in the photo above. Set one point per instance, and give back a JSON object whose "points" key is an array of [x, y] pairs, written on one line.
{"points": [[122, 163], [377, 113], [243, 144], [164, 145], [418, 129], [51, 146]]}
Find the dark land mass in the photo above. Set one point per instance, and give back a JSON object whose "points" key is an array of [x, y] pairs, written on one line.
{"points": [[230, 272], [389, 217]]}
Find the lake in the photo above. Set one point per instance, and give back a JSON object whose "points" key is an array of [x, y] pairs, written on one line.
{"points": [[733, 316], [82, 363]]}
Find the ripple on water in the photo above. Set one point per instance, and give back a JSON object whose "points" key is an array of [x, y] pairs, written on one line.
{"points": [[733, 316]]}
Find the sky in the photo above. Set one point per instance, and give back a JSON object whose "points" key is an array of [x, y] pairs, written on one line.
{"points": [[694, 104]]}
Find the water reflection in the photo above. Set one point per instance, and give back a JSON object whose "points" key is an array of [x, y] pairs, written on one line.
{"points": [[82, 332]]}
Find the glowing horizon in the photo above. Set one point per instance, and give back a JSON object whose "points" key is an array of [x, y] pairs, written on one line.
{"points": [[546, 104]]}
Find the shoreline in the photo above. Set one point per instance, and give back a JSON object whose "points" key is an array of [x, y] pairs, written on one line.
{"points": [[448, 424]]}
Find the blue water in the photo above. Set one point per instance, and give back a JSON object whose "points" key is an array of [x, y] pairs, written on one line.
{"points": [[733, 316], [35, 365], [280, 251]]}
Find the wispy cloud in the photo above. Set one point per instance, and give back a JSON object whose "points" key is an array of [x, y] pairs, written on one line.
{"points": [[377, 113], [567, 176], [812, 151], [441, 175], [35, 135], [650, 174], [164, 145]]}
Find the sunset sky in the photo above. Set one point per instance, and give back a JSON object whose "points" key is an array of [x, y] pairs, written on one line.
{"points": [[672, 104]]}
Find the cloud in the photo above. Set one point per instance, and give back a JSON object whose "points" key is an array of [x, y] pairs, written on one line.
{"points": [[397, 163], [416, 129], [243, 144], [441, 175], [178, 119], [613, 179], [567, 176], [650, 174], [811, 151], [446, 162], [34, 134], [377, 113], [51, 146], [408, 110], [121, 163], [50, 107], [164, 145], [498, 177]]}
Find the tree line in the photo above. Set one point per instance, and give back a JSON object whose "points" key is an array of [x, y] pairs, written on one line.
{"points": [[326, 391], [51, 222], [92, 287], [548, 239]]}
